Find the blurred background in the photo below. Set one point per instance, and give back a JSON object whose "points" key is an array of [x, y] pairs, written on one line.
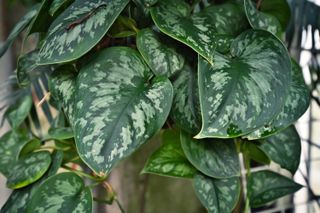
{"points": [[149, 193]]}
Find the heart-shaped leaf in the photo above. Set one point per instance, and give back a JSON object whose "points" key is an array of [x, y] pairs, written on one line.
{"points": [[217, 195], [244, 92], [28, 169], [265, 186], [206, 32], [19, 198], [11, 145], [17, 113], [185, 106], [261, 20], [64, 192], [19, 27], [169, 160], [78, 29], [161, 58], [297, 102], [284, 148], [118, 107], [214, 157]]}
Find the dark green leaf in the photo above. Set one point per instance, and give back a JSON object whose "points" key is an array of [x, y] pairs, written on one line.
{"points": [[284, 148], [62, 133], [19, 198], [261, 20], [11, 144], [123, 27], [161, 58], [256, 154], [185, 106], [279, 9], [217, 195], [214, 157], [64, 192], [78, 29], [62, 88], [169, 160], [20, 26], [28, 169], [297, 102], [206, 32], [17, 113], [266, 186], [118, 107], [243, 93], [30, 146], [56, 5], [42, 20]]}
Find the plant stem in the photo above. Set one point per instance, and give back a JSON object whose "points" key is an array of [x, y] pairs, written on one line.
{"points": [[119, 205], [83, 174], [259, 4], [246, 160]]}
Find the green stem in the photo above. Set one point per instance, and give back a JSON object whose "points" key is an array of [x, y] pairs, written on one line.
{"points": [[83, 174], [246, 159], [120, 206]]}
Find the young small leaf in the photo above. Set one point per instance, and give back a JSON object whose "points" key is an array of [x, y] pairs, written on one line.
{"points": [[284, 148], [214, 157], [261, 20], [266, 186], [169, 160], [161, 58], [28, 169], [217, 195], [64, 192]]}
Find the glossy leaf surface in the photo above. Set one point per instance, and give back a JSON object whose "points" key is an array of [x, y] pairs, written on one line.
{"points": [[11, 144], [266, 186], [56, 5], [206, 32], [284, 148], [19, 27], [214, 157], [245, 92], [217, 195], [279, 9], [28, 169], [118, 107], [186, 107], [170, 160], [64, 192], [297, 102], [19, 198], [161, 58], [261, 20], [78, 29]]}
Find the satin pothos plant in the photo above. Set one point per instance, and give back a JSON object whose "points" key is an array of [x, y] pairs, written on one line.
{"points": [[212, 79]]}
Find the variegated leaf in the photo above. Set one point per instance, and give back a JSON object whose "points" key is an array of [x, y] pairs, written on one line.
{"points": [[118, 107], [161, 58], [206, 32], [62, 133], [17, 113], [169, 160], [297, 102], [217, 195], [64, 192], [284, 148], [244, 92], [265, 186], [28, 169], [78, 29], [19, 27], [19, 198], [11, 145], [261, 20], [56, 6], [185, 106], [214, 157], [62, 88]]}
